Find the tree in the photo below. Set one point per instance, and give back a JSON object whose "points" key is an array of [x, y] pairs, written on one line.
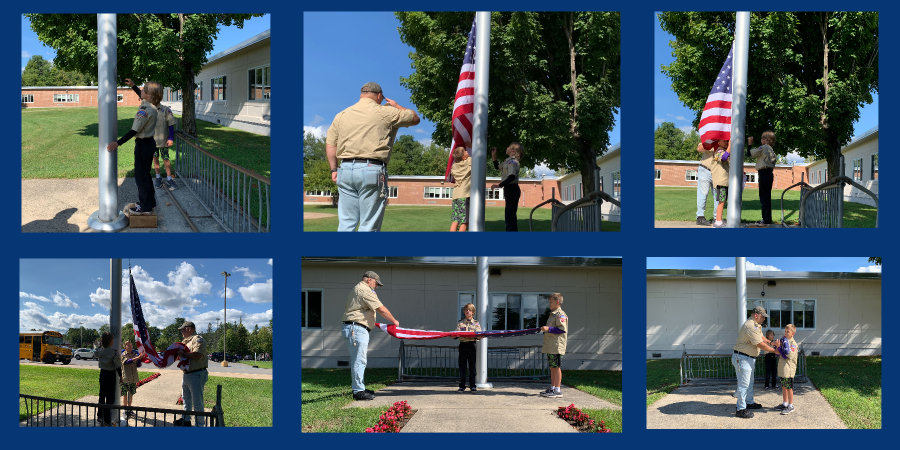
{"points": [[38, 72], [554, 80], [876, 260], [104, 328], [316, 170], [168, 48], [809, 72]]}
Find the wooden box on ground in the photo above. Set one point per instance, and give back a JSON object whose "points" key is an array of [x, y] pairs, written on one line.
{"points": [[140, 220]]}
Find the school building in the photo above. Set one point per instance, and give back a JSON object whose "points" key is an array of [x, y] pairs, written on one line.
{"points": [[680, 173], [429, 293], [69, 96], [860, 164], [429, 190], [610, 164], [836, 314], [234, 87]]}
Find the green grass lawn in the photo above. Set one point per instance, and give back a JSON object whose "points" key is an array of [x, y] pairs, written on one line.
{"points": [[60, 383], [663, 376], [63, 143], [260, 364], [680, 204], [436, 218], [325, 391], [852, 385], [246, 402]]}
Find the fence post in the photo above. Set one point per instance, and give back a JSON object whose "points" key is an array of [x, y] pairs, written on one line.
{"points": [[220, 414], [400, 363]]}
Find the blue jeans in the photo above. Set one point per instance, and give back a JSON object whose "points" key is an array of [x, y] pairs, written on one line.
{"points": [[358, 343], [743, 366], [704, 185], [192, 394], [360, 201]]}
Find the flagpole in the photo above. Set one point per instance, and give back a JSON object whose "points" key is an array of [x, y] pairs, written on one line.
{"points": [[480, 120], [115, 316], [740, 275], [481, 299], [738, 117]]}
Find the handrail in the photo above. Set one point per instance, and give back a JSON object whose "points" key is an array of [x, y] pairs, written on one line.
{"points": [[531, 215], [836, 181], [802, 184], [586, 199]]}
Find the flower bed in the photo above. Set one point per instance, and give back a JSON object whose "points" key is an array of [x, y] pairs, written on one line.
{"points": [[580, 421], [148, 379], [393, 419]]}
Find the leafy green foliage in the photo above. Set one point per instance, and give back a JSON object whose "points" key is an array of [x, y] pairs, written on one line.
{"points": [[809, 72], [58, 382], [674, 144], [82, 337], [40, 72], [554, 80]]}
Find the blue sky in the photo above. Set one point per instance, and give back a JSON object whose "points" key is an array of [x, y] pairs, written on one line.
{"points": [[55, 294], [860, 264], [667, 107], [368, 48], [227, 37]]}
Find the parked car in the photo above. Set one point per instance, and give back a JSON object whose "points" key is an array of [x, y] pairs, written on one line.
{"points": [[84, 353], [217, 357]]}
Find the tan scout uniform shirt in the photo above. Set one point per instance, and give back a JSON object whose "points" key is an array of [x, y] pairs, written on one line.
{"points": [[367, 130], [164, 119], [468, 325], [462, 173], [361, 305], [555, 344], [706, 159], [145, 120], [129, 371], [108, 358], [509, 167], [787, 368], [765, 157], [748, 336], [719, 172], [196, 343]]}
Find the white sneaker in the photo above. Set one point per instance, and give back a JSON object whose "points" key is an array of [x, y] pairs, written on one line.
{"points": [[551, 394], [789, 409]]}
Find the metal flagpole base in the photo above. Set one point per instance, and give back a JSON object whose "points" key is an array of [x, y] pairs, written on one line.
{"points": [[484, 385], [117, 224]]}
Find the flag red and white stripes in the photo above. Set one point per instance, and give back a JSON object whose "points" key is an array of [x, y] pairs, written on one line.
{"points": [[464, 106], [409, 333], [715, 123], [142, 338]]}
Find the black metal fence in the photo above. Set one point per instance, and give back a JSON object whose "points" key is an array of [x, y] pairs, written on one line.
{"points": [[51, 412], [714, 369], [442, 362], [584, 214]]}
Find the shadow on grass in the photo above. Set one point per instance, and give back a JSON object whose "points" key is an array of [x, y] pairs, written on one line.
{"points": [[93, 129]]}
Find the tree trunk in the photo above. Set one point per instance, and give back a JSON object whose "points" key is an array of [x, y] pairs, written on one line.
{"points": [[188, 120], [589, 162], [569, 28]]}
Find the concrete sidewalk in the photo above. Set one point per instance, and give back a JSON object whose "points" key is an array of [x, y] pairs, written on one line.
{"points": [[509, 407], [713, 407], [63, 206], [685, 224]]}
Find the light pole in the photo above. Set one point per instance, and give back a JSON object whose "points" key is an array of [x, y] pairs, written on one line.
{"points": [[81, 339], [217, 332], [225, 337]]}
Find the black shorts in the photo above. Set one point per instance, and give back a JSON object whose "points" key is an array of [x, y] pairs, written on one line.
{"points": [[787, 383]]}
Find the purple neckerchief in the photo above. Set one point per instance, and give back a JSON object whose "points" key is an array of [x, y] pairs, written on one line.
{"points": [[555, 330], [130, 360], [785, 348]]}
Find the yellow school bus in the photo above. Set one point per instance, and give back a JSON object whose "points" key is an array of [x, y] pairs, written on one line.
{"points": [[44, 346]]}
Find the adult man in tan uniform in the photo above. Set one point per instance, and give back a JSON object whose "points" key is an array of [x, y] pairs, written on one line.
{"points": [[555, 343], [195, 376], [749, 342], [362, 136], [704, 184], [359, 318]]}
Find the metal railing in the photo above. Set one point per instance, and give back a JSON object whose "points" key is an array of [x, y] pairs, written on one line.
{"points": [[804, 188], [823, 205], [51, 412], [442, 362], [238, 198], [583, 214], [554, 201], [713, 369]]}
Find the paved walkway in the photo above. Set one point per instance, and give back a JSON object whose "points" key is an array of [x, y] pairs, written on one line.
{"points": [[713, 407], [680, 224], [509, 407], [315, 215], [64, 206]]}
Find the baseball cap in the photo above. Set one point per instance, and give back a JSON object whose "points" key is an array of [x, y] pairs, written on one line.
{"points": [[371, 87], [187, 324], [760, 310], [373, 275]]}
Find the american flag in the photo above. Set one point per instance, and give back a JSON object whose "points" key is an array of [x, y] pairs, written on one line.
{"points": [[409, 333], [715, 123], [464, 107], [142, 338]]}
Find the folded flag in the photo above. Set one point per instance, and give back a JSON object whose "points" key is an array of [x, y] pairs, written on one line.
{"points": [[142, 337], [409, 333], [785, 348]]}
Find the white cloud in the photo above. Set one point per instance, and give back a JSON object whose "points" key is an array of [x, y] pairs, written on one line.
{"points": [[33, 305], [249, 275], [257, 292], [270, 261], [680, 118], [317, 119], [25, 54], [750, 266], [656, 120], [543, 169], [426, 142], [319, 132], [63, 300], [234, 315], [687, 128], [230, 293], [34, 318], [419, 130], [32, 296], [876, 269], [794, 157]]}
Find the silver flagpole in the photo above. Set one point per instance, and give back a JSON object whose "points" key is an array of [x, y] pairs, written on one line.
{"points": [[115, 315], [738, 117], [481, 299], [480, 120], [740, 274], [108, 217]]}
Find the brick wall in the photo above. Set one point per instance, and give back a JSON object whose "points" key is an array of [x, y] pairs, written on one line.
{"points": [[672, 173], [87, 96]]}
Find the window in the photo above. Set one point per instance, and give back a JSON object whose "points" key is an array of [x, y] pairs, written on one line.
{"points": [[27, 98], [658, 174], [800, 312], [438, 192], [690, 175], [65, 98], [601, 184], [752, 177], [580, 192], [510, 310], [311, 309], [318, 193], [494, 194], [392, 191], [120, 98], [198, 91], [874, 174], [857, 169], [617, 183], [258, 78], [217, 88]]}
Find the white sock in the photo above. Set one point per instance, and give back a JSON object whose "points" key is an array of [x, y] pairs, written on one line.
{"points": [[169, 178], [791, 405], [718, 222], [157, 176], [556, 389], [785, 404]]}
